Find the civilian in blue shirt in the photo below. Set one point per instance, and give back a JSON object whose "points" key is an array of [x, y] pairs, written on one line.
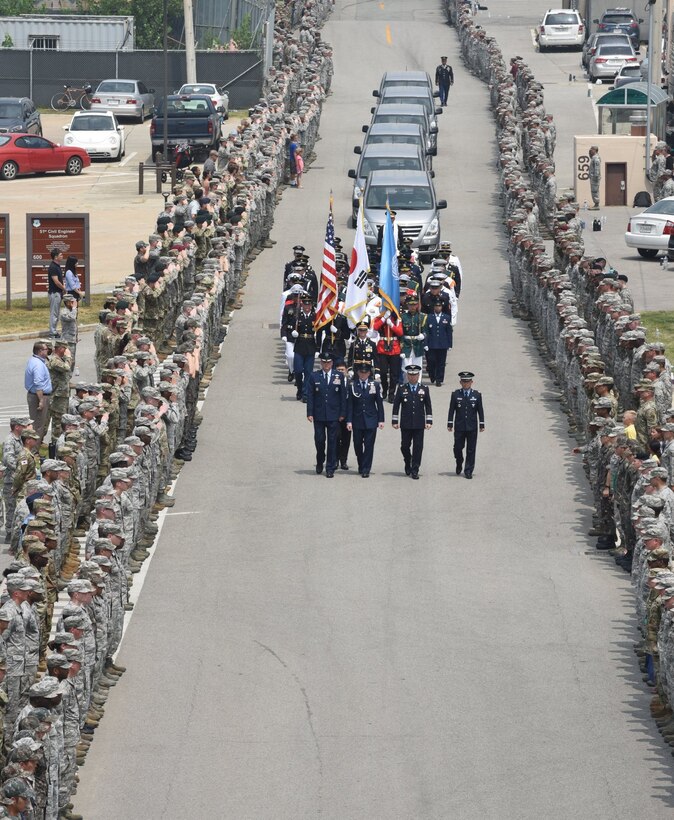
{"points": [[37, 382]]}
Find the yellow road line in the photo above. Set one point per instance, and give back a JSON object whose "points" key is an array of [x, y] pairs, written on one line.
{"points": [[388, 35]]}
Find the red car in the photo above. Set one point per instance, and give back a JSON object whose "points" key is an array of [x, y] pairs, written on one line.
{"points": [[30, 154]]}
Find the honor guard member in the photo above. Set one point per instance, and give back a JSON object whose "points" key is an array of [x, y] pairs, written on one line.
{"points": [[390, 329], [413, 339], [363, 349], [438, 341], [344, 435], [332, 337], [364, 415], [309, 279], [454, 269], [305, 345], [288, 322], [298, 250], [465, 417], [412, 415], [435, 291], [444, 79], [326, 408]]}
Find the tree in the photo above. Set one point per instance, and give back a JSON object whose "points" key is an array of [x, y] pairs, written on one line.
{"points": [[8, 42], [12, 8], [243, 35], [148, 15]]}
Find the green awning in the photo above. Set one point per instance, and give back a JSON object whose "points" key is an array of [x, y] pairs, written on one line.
{"points": [[633, 95]]}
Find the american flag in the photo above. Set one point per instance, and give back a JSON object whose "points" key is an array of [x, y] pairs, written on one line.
{"points": [[327, 297]]}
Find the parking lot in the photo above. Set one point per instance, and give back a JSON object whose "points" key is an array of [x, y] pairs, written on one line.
{"points": [[108, 191]]}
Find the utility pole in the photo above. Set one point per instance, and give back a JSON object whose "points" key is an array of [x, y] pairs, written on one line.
{"points": [[165, 131], [190, 55], [651, 75]]}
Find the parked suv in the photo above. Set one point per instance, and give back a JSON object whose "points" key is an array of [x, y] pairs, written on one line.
{"points": [[19, 115], [561, 27], [620, 21], [412, 196]]}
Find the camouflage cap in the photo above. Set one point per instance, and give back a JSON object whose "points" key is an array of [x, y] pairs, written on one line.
{"points": [[109, 528], [64, 637], [80, 585], [57, 661], [75, 621], [16, 787], [46, 687], [73, 655]]}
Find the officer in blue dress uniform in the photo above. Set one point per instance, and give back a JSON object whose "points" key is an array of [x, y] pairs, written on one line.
{"points": [[412, 415], [465, 417], [326, 407], [439, 336], [364, 415]]}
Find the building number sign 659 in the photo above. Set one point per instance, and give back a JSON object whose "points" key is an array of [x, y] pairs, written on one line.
{"points": [[583, 167]]}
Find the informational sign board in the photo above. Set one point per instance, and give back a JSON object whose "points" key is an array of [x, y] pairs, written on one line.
{"points": [[68, 233], [4, 255]]}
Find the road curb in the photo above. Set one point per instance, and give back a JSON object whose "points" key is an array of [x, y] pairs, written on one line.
{"points": [[36, 334]]}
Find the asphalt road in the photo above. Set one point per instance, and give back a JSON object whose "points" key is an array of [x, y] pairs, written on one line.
{"points": [[394, 649]]}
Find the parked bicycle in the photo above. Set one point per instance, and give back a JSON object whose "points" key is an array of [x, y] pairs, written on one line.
{"points": [[72, 97]]}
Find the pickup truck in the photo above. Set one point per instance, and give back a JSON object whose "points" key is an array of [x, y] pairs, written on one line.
{"points": [[192, 118]]}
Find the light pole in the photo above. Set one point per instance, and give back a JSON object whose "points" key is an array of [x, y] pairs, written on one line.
{"points": [[651, 68], [165, 121]]}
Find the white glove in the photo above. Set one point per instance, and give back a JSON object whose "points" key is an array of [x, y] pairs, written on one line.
{"points": [[284, 338], [294, 334], [333, 328], [377, 377], [402, 355], [420, 337], [389, 322], [387, 314], [426, 347]]}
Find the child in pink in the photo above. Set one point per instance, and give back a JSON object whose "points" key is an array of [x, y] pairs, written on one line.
{"points": [[299, 166]]}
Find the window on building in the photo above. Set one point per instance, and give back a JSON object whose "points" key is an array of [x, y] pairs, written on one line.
{"points": [[44, 42]]}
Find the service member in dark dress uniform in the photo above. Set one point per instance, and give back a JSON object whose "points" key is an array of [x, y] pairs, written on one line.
{"points": [[364, 415], [305, 346], [465, 417], [298, 251], [326, 407], [444, 79], [438, 332], [332, 337], [412, 415], [363, 349], [344, 435]]}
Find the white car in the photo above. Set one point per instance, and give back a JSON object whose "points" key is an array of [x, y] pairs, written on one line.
{"points": [[98, 133], [561, 27], [649, 232], [220, 99]]}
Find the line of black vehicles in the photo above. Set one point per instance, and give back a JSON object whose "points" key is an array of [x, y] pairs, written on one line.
{"points": [[395, 162]]}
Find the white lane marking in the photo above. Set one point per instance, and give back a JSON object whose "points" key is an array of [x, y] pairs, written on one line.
{"points": [[189, 512], [127, 158]]}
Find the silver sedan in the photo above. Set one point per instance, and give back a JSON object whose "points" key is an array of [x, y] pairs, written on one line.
{"points": [[125, 98]]}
